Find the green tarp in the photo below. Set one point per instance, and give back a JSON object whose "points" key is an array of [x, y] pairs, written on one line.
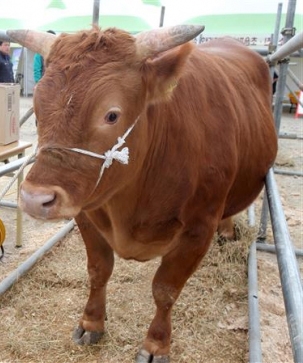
{"points": [[132, 24]]}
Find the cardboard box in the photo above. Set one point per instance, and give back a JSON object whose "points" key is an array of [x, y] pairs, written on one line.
{"points": [[9, 112]]}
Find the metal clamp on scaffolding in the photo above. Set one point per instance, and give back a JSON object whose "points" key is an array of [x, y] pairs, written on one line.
{"points": [[288, 31]]}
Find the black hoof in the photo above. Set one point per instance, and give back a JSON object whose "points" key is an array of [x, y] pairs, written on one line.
{"points": [[145, 357], [82, 337]]}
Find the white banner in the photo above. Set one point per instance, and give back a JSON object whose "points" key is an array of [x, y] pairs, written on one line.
{"points": [[263, 40]]}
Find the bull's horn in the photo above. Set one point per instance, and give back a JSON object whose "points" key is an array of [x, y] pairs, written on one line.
{"points": [[158, 40], [38, 42]]}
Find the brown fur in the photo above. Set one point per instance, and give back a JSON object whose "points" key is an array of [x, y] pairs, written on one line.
{"points": [[198, 154]]}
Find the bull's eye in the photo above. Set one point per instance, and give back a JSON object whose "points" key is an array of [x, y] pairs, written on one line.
{"points": [[112, 116]]}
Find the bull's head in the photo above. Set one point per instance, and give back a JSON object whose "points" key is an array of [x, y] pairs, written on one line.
{"points": [[95, 86]]}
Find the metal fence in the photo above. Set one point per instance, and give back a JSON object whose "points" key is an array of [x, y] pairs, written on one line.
{"points": [[289, 275], [283, 247]]}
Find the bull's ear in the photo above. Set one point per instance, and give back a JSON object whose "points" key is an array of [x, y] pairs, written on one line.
{"points": [[161, 74]]}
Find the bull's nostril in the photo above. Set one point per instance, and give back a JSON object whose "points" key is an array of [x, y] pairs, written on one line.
{"points": [[38, 197], [49, 203], [37, 201]]}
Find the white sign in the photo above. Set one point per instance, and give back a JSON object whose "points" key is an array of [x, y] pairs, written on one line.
{"points": [[263, 40]]}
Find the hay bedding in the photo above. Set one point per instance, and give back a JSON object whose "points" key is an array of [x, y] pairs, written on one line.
{"points": [[210, 319]]}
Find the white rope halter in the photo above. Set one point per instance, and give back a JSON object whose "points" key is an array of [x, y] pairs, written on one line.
{"points": [[109, 156]]}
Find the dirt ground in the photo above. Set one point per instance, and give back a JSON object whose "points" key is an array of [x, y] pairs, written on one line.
{"points": [[210, 319]]}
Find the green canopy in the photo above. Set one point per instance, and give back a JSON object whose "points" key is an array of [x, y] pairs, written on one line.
{"points": [[9, 23], [56, 4], [131, 24], [152, 2]]}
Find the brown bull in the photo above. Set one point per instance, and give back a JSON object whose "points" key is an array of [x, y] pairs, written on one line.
{"points": [[197, 124]]}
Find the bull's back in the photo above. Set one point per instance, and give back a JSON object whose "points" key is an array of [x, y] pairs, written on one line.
{"points": [[229, 117]]}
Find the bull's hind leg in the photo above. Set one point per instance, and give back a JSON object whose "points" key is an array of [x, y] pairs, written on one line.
{"points": [[100, 261], [172, 274]]}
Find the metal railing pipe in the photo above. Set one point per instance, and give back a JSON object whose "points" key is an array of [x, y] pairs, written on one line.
{"points": [[14, 165], [288, 268], [288, 172], [271, 248], [294, 44], [290, 136], [29, 263], [5, 203]]}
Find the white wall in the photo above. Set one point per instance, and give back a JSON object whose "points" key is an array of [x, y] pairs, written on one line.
{"points": [[25, 68], [296, 66]]}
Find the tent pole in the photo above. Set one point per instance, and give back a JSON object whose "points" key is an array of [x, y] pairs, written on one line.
{"points": [[96, 12], [162, 16]]}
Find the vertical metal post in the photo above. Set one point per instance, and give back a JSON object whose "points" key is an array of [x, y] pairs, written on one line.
{"points": [[19, 212], [264, 211], [275, 40], [96, 12], [277, 26], [255, 352], [25, 72], [264, 220], [287, 35], [278, 107], [251, 215], [162, 16]]}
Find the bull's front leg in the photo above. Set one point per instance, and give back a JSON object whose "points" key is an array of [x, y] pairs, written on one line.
{"points": [[175, 269], [100, 262]]}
